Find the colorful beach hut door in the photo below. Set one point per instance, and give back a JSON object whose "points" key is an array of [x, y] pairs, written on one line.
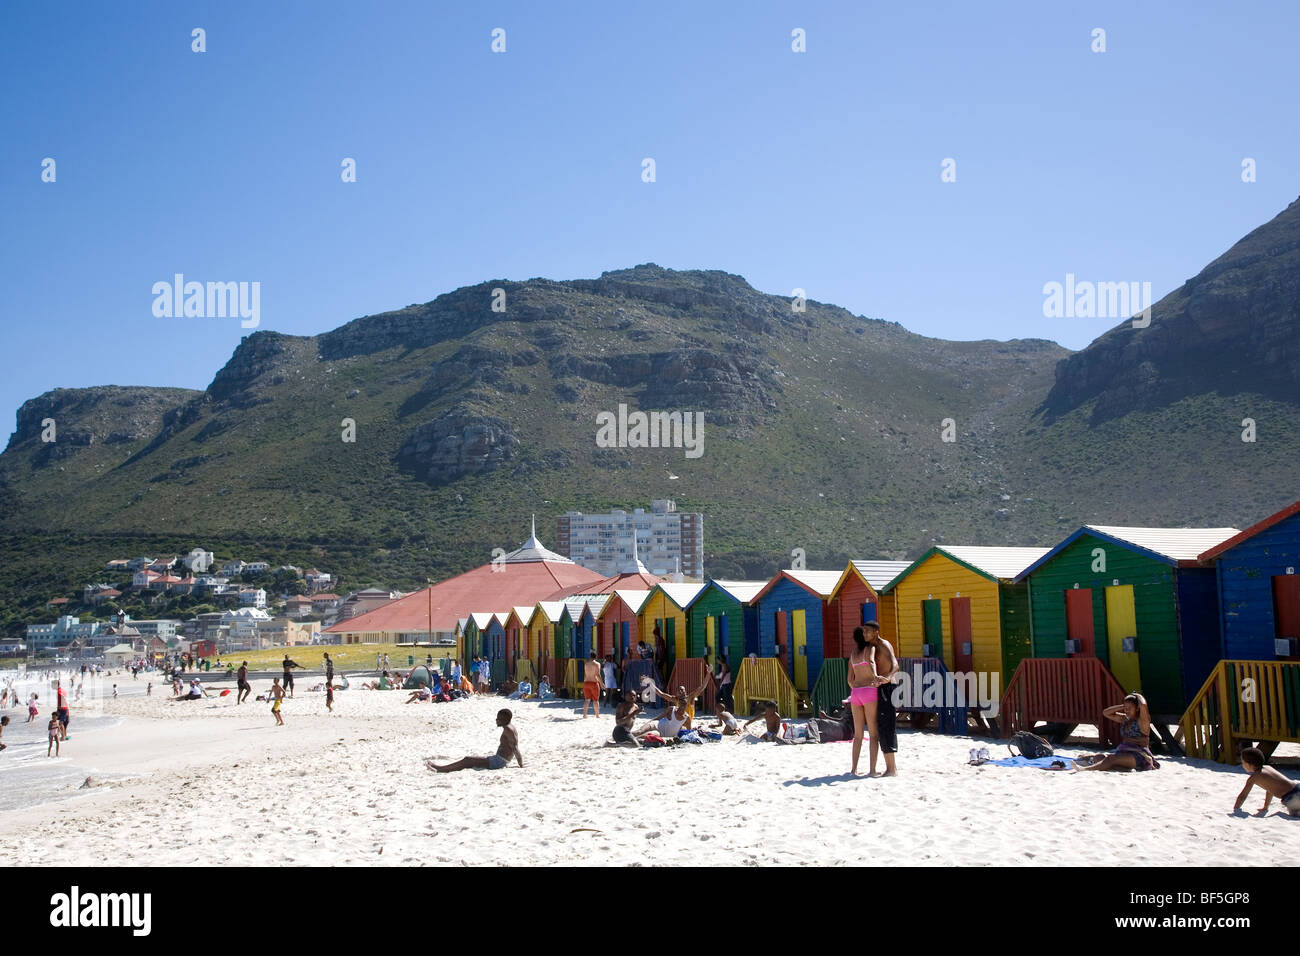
{"points": [[625, 639], [962, 639], [1121, 622], [1078, 620], [799, 645], [710, 638], [932, 615], [724, 637], [782, 632], [1286, 607]]}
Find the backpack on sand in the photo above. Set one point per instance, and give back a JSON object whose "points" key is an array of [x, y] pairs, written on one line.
{"points": [[1029, 745]]}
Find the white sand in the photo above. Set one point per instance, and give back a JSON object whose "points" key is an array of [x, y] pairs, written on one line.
{"points": [[219, 783]]}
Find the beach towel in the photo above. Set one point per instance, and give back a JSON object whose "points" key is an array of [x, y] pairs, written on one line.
{"points": [[224, 692], [1042, 763]]}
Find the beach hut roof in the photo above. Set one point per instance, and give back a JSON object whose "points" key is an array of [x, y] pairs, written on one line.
{"points": [[680, 594], [1003, 563], [878, 574], [481, 619], [742, 591], [552, 609], [1172, 546], [1250, 532], [821, 583], [523, 612], [577, 603], [634, 598]]}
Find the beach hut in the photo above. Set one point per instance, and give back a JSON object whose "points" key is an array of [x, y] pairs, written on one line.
{"points": [[791, 610], [618, 626], [855, 599], [516, 627], [579, 620], [542, 625], [1137, 599], [963, 606], [1257, 573], [665, 609], [722, 620]]}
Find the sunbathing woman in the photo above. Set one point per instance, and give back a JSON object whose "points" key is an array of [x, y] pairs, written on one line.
{"points": [[1134, 750], [863, 695]]}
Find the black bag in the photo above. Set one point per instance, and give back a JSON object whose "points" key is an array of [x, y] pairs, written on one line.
{"points": [[1029, 745]]}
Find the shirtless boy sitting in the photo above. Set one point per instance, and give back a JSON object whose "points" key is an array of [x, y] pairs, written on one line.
{"points": [[1273, 783], [507, 750], [772, 717], [727, 721], [624, 717]]}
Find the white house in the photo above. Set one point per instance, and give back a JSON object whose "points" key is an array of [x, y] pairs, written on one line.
{"points": [[231, 568], [252, 597], [244, 623], [144, 578], [258, 567], [316, 580], [199, 561]]}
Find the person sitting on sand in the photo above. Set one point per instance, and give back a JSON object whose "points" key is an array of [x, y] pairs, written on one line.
{"points": [[420, 693], [507, 750], [544, 691], [196, 691], [1134, 750], [1270, 780], [772, 718], [676, 716], [525, 690], [682, 699], [382, 684], [727, 723], [624, 718]]}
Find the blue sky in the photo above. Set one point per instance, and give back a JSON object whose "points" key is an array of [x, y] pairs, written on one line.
{"points": [[818, 170]]}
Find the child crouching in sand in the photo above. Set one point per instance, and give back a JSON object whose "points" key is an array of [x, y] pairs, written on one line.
{"points": [[772, 719], [1271, 781]]}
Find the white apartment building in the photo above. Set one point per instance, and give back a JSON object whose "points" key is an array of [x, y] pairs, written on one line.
{"points": [[253, 597], [668, 541]]}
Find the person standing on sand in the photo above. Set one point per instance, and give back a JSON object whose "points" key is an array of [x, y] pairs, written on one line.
{"points": [[53, 730], [609, 672], [289, 665], [329, 696], [863, 695], [661, 655], [591, 684], [32, 710], [61, 710], [243, 687], [507, 750], [329, 669], [4, 722], [886, 735], [277, 695]]}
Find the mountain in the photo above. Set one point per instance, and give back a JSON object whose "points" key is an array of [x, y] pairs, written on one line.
{"points": [[823, 430]]}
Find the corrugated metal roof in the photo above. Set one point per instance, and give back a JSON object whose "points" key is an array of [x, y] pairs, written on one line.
{"points": [[681, 594], [880, 573], [634, 598], [482, 619], [742, 591], [523, 612], [823, 582], [577, 603], [1180, 544], [552, 610], [996, 562]]}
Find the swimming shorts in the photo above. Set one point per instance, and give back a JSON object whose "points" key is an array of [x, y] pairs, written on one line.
{"points": [[63, 717], [275, 706], [863, 695], [1292, 800], [591, 690], [496, 762], [622, 735]]}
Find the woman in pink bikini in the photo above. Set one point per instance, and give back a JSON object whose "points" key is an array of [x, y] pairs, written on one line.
{"points": [[863, 694]]}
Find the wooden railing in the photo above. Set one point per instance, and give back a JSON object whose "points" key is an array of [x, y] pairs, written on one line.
{"points": [[764, 679], [1241, 703], [1065, 690]]}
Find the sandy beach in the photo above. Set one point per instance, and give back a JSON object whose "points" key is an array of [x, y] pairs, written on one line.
{"points": [[209, 782]]}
